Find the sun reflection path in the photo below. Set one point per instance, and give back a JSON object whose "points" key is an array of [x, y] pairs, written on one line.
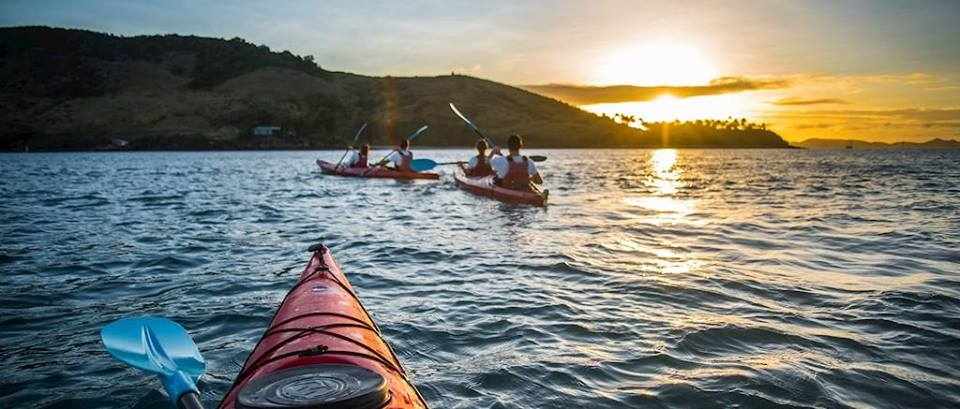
{"points": [[659, 205], [664, 163], [666, 182]]}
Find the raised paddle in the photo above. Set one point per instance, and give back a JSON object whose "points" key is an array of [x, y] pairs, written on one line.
{"points": [[535, 158], [471, 125], [161, 347], [355, 139], [421, 165], [417, 133]]}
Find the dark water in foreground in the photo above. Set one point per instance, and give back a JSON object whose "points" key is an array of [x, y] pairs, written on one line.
{"points": [[654, 278]]}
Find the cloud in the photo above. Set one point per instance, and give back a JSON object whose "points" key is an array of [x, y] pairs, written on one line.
{"points": [[798, 101], [584, 94], [814, 126], [872, 125], [912, 114], [949, 124], [903, 114], [869, 87]]}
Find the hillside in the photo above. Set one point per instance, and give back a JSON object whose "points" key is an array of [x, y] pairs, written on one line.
{"points": [[817, 143], [75, 89]]}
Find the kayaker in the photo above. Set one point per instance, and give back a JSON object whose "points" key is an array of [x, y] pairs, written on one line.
{"points": [[358, 159], [400, 157], [479, 165], [514, 171]]}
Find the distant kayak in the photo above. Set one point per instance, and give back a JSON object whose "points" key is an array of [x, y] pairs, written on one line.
{"points": [[378, 172], [484, 186], [322, 350]]}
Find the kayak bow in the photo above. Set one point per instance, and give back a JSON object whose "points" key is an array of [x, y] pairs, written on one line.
{"points": [[322, 351]]}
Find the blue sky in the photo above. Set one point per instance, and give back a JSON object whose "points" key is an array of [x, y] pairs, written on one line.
{"points": [[850, 68], [541, 41]]}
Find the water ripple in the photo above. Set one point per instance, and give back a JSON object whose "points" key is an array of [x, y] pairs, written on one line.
{"points": [[709, 279]]}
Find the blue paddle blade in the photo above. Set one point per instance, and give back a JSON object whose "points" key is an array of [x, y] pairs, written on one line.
{"points": [[420, 165], [159, 346], [417, 133]]}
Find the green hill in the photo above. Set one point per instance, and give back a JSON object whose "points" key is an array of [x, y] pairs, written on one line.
{"points": [[75, 89]]}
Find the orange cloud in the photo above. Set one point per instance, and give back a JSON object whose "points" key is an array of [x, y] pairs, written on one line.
{"points": [[584, 94], [814, 126], [914, 114], [798, 101]]}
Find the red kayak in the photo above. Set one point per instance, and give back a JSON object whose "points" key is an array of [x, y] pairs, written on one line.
{"points": [[322, 351], [484, 186], [379, 172]]}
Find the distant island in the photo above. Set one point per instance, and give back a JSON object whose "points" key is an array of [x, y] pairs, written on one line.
{"points": [[819, 143], [66, 89]]}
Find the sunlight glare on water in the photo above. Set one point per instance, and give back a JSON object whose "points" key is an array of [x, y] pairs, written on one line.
{"points": [[664, 182]]}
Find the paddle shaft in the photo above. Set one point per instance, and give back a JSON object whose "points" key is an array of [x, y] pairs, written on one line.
{"points": [[378, 163], [342, 158], [355, 139], [189, 400], [422, 165], [490, 142], [471, 125]]}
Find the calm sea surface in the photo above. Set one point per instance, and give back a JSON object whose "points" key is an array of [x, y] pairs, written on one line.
{"points": [[709, 279]]}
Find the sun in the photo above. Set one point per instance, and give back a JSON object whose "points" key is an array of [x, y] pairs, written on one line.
{"points": [[654, 64]]}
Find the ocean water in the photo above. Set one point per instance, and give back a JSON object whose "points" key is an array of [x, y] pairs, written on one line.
{"points": [[654, 278]]}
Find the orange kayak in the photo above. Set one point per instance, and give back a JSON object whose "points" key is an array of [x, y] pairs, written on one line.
{"points": [[484, 186], [379, 172], [322, 350]]}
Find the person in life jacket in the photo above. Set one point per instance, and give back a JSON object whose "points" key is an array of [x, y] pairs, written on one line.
{"points": [[479, 165], [401, 158], [358, 159], [514, 171]]}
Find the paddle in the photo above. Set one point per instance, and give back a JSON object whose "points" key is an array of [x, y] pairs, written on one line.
{"points": [[490, 142], [355, 139], [163, 348], [412, 136], [471, 125], [420, 165]]}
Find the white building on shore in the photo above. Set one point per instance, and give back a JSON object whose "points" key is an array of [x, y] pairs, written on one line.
{"points": [[267, 130]]}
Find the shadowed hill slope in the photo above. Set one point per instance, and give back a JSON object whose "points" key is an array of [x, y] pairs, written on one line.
{"points": [[75, 89]]}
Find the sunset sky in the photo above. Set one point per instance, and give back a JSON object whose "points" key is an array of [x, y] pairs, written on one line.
{"points": [[872, 70]]}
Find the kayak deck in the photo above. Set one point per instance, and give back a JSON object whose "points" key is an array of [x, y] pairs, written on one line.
{"points": [[484, 186], [322, 326], [378, 172]]}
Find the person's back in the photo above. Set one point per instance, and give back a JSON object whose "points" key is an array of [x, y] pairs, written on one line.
{"points": [[479, 165], [402, 157], [359, 159], [515, 171]]}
